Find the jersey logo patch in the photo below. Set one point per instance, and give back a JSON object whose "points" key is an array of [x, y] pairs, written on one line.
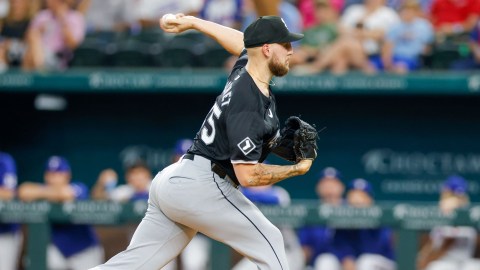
{"points": [[246, 146], [270, 113]]}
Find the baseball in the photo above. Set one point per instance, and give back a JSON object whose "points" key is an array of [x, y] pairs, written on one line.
{"points": [[167, 18]]}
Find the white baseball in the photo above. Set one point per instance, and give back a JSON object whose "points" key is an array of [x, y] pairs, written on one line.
{"points": [[167, 18]]}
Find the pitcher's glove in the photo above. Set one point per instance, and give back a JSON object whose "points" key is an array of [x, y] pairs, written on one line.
{"points": [[304, 139], [298, 140]]}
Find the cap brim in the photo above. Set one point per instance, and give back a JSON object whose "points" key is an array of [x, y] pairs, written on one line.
{"points": [[293, 37]]}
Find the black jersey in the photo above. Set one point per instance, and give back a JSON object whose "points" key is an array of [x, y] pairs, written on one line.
{"points": [[241, 125]]}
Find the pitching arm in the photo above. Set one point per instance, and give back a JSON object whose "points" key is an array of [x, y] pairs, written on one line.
{"points": [[229, 38]]}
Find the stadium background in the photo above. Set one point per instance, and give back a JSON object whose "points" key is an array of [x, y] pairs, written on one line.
{"points": [[404, 142], [405, 134]]}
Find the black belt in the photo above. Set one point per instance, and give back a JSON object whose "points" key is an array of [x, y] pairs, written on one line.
{"points": [[215, 168]]}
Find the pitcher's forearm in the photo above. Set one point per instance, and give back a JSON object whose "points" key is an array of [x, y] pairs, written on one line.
{"points": [[265, 174]]}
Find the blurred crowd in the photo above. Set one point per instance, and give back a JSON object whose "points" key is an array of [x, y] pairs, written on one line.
{"points": [[312, 247], [371, 36]]}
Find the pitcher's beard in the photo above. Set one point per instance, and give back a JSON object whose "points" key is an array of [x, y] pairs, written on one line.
{"points": [[276, 68]]}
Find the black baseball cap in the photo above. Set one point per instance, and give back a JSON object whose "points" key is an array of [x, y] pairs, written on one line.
{"points": [[266, 30]]}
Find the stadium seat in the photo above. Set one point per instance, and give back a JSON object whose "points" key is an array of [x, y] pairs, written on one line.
{"points": [[182, 50], [214, 57], [442, 59], [105, 37], [149, 35], [130, 53], [177, 57], [89, 54]]}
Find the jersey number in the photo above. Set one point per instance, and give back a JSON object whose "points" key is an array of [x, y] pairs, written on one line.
{"points": [[208, 138]]}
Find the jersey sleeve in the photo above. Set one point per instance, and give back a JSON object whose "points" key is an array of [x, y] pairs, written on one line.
{"points": [[244, 125]]}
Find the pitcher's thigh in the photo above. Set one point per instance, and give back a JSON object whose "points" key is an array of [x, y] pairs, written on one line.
{"points": [[237, 222]]}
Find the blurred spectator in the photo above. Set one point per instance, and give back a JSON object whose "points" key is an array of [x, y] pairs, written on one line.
{"points": [[360, 193], [330, 187], [363, 28], [308, 11], [73, 247], [453, 17], [52, 36], [349, 3], [426, 6], [275, 195], [453, 20], [316, 241], [364, 249], [394, 4], [368, 24], [110, 15], [288, 12], [406, 41], [267, 7], [10, 236], [317, 38], [79, 5], [138, 178], [224, 12], [148, 12], [473, 59], [13, 30], [450, 248]]}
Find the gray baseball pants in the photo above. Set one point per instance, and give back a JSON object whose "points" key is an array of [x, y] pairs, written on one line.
{"points": [[186, 198]]}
